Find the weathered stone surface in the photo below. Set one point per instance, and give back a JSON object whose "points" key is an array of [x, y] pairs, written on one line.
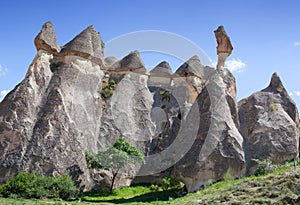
{"points": [[127, 112], [162, 69], [46, 39], [109, 61], [193, 76], [131, 62], [217, 146], [87, 44], [193, 67], [160, 75], [269, 124], [53, 119]]}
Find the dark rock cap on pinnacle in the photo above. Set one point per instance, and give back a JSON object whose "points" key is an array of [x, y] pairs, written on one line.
{"points": [[163, 69], [87, 44], [131, 62], [46, 39]]}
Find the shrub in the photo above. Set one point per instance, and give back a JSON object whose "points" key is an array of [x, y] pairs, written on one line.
{"points": [[54, 66], [30, 185], [155, 188], [171, 183], [273, 107], [264, 167], [108, 90]]}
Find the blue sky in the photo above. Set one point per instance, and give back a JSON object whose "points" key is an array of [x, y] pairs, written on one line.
{"points": [[265, 33]]}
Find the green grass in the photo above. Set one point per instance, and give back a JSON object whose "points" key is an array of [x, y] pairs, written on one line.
{"points": [[131, 195], [280, 187]]}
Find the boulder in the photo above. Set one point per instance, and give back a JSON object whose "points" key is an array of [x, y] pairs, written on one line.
{"points": [[87, 44], [46, 39], [217, 148], [269, 124]]}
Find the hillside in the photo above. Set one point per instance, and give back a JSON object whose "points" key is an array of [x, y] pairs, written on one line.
{"points": [[280, 187]]}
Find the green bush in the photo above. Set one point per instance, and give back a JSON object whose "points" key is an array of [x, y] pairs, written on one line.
{"points": [[31, 185], [264, 167], [169, 183], [108, 90], [155, 188]]}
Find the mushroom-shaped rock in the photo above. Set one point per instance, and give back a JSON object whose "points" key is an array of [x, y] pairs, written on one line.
{"points": [[87, 44], [269, 123], [46, 39], [131, 62]]}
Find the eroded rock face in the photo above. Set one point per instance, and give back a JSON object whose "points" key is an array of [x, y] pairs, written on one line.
{"points": [[46, 39], [160, 75], [269, 124], [54, 118], [217, 148]]}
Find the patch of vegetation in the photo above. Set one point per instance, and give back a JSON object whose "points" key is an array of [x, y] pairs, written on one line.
{"points": [[108, 89], [55, 65], [165, 95], [31, 185], [115, 158], [279, 187], [169, 183], [264, 167], [273, 107]]}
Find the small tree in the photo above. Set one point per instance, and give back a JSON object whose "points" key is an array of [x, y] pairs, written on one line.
{"points": [[115, 158]]}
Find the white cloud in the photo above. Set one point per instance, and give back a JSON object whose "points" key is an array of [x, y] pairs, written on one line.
{"points": [[235, 65], [2, 70], [297, 93], [297, 44], [3, 94], [294, 93]]}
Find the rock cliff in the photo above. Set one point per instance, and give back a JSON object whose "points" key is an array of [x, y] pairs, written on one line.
{"points": [[187, 123], [218, 146], [270, 125]]}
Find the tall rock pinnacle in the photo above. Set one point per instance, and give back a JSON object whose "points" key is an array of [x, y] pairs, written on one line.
{"points": [[46, 39], [275, 83]]}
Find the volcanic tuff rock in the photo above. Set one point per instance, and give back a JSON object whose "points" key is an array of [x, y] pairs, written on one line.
{"points": [[87, 44], [160, 75], [218, 145], [269, 124], [186, 123], [109, 61], [46, 39], [162, 69], [131, 62]]}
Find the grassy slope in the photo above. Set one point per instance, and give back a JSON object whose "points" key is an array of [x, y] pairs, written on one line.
{"points": [[280, 187]]}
